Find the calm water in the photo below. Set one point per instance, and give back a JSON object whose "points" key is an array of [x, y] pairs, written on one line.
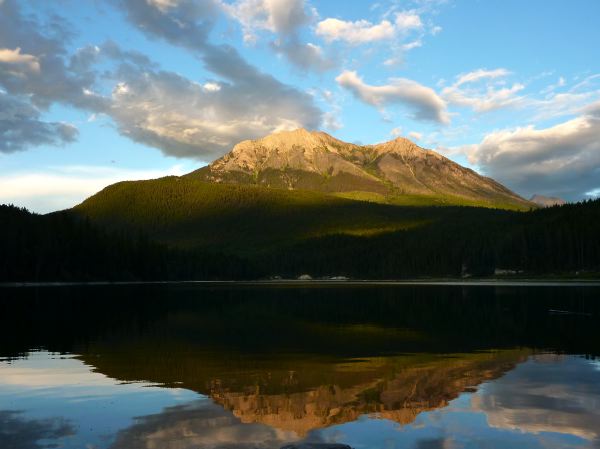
{"points": [[192, 366]]}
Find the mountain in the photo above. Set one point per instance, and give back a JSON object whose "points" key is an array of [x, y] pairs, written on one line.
{"points": [[395, 172], [188, 213], [547, 201]]}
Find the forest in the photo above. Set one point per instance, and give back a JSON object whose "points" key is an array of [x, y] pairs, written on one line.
{"points": [[461, 242]]}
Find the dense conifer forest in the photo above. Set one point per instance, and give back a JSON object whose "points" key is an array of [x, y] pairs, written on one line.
{"points": [[452, 241]]}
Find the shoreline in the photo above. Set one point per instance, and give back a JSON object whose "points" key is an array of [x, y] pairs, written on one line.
{"points": [[482, 282]]}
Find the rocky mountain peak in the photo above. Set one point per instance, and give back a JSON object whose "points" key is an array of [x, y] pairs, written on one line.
{"points": [[315, 160]]}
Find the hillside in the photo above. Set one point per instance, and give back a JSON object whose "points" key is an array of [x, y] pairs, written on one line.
{"points": [[186, 212], [395, 172]]}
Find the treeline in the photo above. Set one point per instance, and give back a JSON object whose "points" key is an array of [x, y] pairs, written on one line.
{"points": [[477, 242], [63, 247], [480, 242]]}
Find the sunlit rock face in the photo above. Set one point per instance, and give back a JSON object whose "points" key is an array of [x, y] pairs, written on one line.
{"points": [[314, 160], [394, 391]]}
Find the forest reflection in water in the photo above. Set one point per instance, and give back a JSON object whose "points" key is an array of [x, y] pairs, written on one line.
{"points": [[185, 366]]}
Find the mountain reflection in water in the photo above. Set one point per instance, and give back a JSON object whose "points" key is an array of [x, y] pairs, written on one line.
{"points": [[227, 367]]}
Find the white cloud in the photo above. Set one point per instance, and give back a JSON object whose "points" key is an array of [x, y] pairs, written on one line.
{"points": [[480, 74], [212, 87], [411, 45], [363, 31], [408, 20], [56, 188], [359, 32], [414, 135], [483, 91], [284, 18], [184, 119], [562, 160], [20, 60], [425, 102], [396, 132], [277, 16]]}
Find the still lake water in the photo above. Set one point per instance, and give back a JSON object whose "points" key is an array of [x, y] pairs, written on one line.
{"points": [[204, 366]]}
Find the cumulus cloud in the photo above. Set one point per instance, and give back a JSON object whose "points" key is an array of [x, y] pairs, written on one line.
{"points": [[564, 388], [33, 63], [414, 135], [424, 101], [562, 160], [304, 56], [481, 91], [363, 31], [200, 124], [20, 61], [184, 118], [22, 128], [278, 16], [284, 18], [358, 32], [181, 117]]}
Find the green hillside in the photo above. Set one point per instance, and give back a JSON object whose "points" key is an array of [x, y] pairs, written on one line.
{"points": [[186, 212]]}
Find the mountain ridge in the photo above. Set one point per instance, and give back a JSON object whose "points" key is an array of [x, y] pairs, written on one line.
{"points": [[393, 172]]}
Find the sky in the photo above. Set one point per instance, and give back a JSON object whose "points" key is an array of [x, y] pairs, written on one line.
{"points": [[97, 91]]}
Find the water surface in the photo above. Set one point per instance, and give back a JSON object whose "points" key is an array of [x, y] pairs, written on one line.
{"points": [[385, 366]]}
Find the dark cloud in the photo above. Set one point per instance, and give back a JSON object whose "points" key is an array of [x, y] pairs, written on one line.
{"points": [[21, 127], [199, 424], [304, 56], [550, 394], [562, 160], [185, 118], [17, 432], [158, 108], [49, 80]]}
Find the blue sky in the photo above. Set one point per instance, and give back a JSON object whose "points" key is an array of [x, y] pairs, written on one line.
{"points": [[92, 92]]}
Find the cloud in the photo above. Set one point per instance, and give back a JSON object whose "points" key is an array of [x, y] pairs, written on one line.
{"points": [[58, 188], [278, 16], [304, 56], [204, 124], [359, 32], [33, 62], [19, 432], [427, 104], [185, 119], [21, 61], [468, 91], [480, 74], [415, 135], [284, 18], [199, 424], [564, 388], [21, 127], [363, 31], [205, 121], [562, 160], [396, 132]]}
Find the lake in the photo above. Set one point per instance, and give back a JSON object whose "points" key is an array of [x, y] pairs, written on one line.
{"points": [[182, 366]]}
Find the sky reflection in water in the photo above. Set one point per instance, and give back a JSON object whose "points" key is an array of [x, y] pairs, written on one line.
{"points": [[192, 367], [46, 400]]}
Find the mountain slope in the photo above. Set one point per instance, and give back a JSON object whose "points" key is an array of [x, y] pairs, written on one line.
{"points": [[396, 172], [547, 201], [186, 212]]}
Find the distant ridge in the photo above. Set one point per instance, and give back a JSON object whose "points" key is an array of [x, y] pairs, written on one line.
{"points": [[547, 201], [396, 172]]}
